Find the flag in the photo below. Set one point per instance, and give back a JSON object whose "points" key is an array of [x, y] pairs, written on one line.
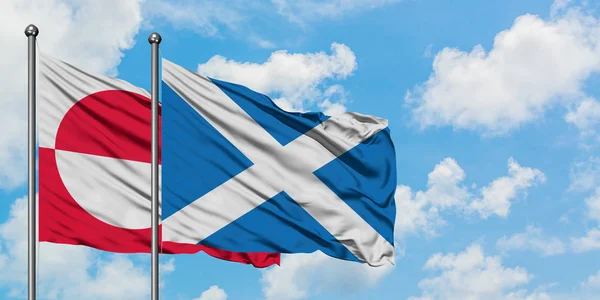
{"points": [[240, 174], [95, 165]]}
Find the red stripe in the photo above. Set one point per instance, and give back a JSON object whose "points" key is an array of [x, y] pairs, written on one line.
{"points": [[62, 220]]}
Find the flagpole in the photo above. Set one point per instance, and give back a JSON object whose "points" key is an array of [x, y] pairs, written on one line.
{"points": [[154, 39], [31, 32]]}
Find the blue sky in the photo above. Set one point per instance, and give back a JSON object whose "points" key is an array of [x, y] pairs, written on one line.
{"points": [[492, 106]]}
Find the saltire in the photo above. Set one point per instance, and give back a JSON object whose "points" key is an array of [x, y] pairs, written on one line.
{"points": [[241, 174]]}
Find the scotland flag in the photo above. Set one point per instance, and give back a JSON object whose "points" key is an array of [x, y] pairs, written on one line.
{"points": [[242, 175]]}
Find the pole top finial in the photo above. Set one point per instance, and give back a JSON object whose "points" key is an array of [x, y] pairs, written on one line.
{"points": [[31, 30], [154, 38]]}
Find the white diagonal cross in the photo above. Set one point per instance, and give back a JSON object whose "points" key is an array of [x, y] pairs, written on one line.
{"points": [[275, 168]]}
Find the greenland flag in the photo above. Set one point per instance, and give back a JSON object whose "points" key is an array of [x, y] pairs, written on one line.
{"points": [[94, 165]]}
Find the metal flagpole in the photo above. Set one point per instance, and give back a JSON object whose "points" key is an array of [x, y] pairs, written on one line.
{"points": [[31, 32], [154, 39]]}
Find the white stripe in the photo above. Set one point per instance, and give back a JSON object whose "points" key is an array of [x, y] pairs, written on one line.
{"points": [[276, 168], [220, 111], [61, 86], [334, 137], [219, 207], [340, 220], [113, 190]]}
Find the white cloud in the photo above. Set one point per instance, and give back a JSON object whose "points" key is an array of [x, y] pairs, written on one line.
{"points": [[293, 80], [212, 18], [497, 196], [420, 210], [472, 275], [532, 239], [427, 52], [592, 283], [533, 66], [242, 18], [593, 205], [417, 214], [67, 272], [586, 243], [262, 43], [525, 295], [332, 109], [559, 6], [167, 267], [488, 278], [591, 241], [443, 190], [301, 275], [446, 191], [73, 31], [309, 10], [585, 175], [335, 99], [213, 293], [118, 278], [586, 115], [588, 290], [204, 16]]}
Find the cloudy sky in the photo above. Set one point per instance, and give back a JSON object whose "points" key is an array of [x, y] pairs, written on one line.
{"points": [[493, 107]]}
